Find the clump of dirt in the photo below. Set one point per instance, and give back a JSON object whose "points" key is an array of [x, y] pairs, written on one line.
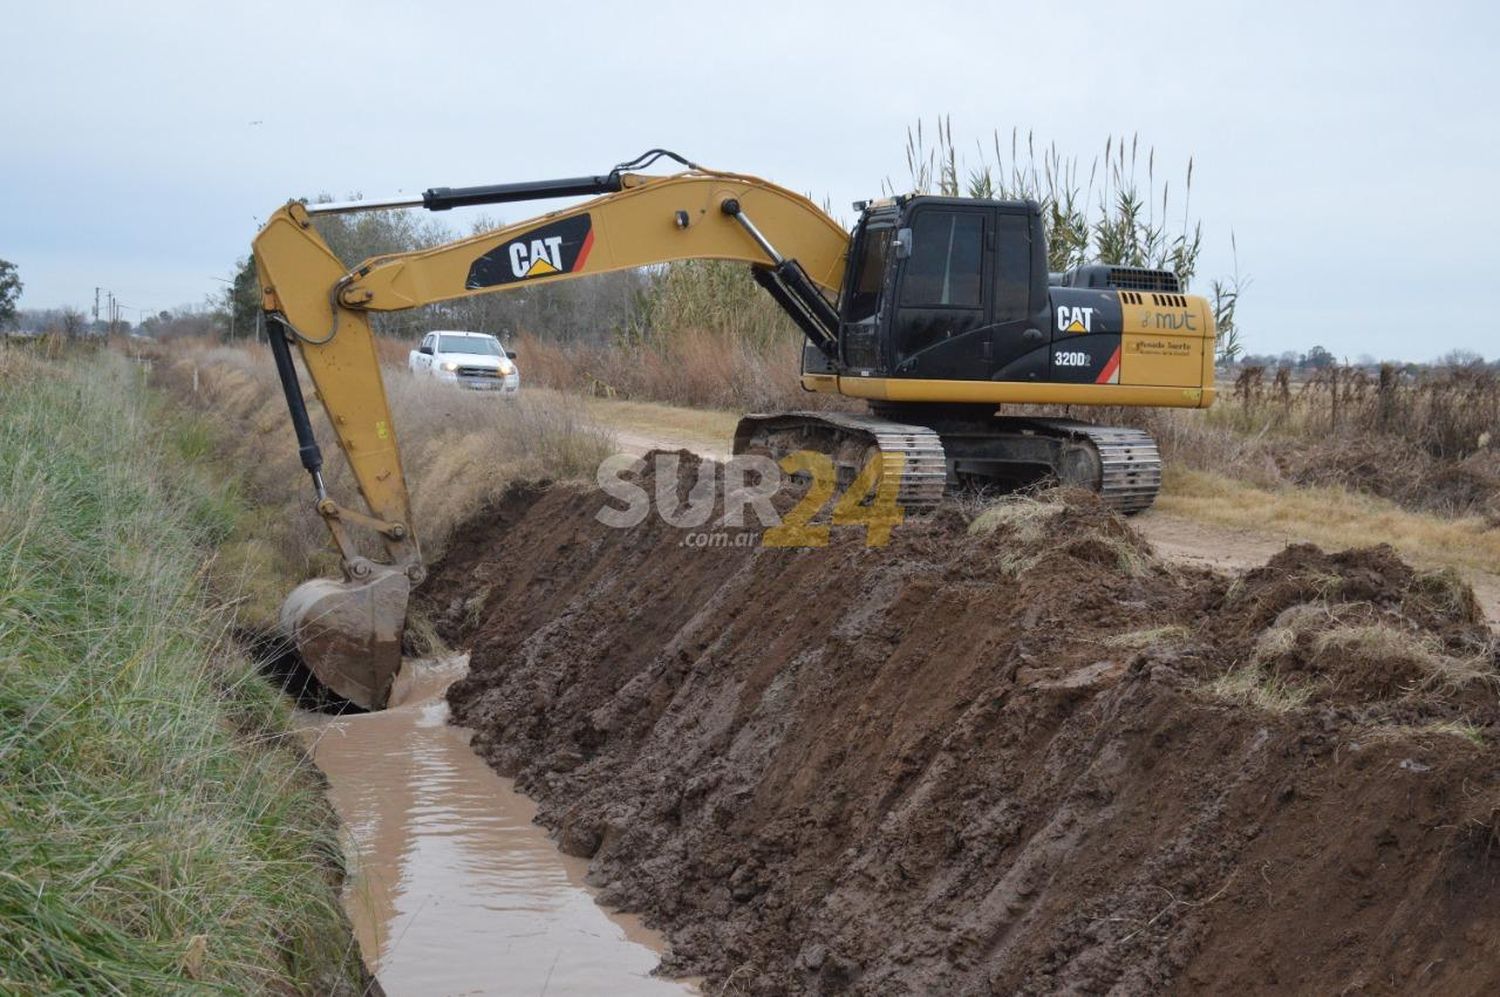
{"points": [[1006, 753], [1359, 628]]}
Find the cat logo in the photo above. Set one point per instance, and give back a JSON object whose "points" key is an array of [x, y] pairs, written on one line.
{"points": [[536, 259], [1075, 318], [557, 247]]}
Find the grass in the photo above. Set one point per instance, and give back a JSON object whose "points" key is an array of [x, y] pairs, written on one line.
{"points": [[1464, 730], [1378, 645], [458, 448], [1331, 517], [1251, 685], [159, 829], [1028, 521], [1033, 534], [1137, 640], [1337, 643]]}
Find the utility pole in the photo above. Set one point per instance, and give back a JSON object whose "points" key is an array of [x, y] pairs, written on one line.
{"points": [[96, 308]]}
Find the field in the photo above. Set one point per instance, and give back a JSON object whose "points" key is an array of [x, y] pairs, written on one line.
{"points": [[852, 769]]}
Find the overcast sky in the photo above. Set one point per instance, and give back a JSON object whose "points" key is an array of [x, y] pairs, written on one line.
{"points": [[1352, 148]]}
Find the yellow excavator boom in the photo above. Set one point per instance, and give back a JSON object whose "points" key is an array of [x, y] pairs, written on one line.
{"points": [[349, 632]]}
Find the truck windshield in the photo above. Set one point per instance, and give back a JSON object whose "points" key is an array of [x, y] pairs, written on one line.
{"points": [[484, 346]]}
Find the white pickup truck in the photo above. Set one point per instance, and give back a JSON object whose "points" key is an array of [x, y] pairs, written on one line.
{"points": [[468, 359]]}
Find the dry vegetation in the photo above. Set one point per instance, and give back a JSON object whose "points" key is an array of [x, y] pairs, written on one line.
{"points": [[695, 368], [458, 448], [706, 336], [1425, 440], [1344, 444], [1041, 526]]}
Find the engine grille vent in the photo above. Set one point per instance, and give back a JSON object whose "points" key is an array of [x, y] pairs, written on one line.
{"points": [[1169, 300], [1142, 279], [1123, 278]]}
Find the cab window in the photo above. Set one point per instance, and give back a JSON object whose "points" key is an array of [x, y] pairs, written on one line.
{"points": [[1013, 269], [945, 269], [869, 273]]}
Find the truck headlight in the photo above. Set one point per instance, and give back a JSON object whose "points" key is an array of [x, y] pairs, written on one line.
{"points": [[507, 369], [449, 365]]}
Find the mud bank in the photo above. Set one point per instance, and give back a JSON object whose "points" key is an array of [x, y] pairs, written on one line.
{"points": [[1017, 755]]}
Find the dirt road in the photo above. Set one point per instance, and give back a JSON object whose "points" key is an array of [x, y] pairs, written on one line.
{"points": [[1179, 539]]}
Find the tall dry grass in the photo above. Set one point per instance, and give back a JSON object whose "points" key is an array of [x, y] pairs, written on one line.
{"points": [[458, 448], [1114, 213], [1426, 441], [693, 367], [1448, 413]]}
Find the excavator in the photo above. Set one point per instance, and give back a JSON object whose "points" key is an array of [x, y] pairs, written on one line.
{"points": [[936, 311]]}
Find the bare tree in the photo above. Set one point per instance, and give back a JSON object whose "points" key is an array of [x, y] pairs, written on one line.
{"points": [[73, 323]]}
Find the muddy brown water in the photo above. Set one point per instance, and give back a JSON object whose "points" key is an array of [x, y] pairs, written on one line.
{"points": [[453, 889]]}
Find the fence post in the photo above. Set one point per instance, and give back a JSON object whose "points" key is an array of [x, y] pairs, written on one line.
{"points": [[1333, 380], [1387, 408]]}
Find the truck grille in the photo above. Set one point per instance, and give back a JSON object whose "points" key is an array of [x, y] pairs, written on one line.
{"points": [[478, 372]]}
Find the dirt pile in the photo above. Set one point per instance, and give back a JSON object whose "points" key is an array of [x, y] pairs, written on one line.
{"points": [[1016, 754]]}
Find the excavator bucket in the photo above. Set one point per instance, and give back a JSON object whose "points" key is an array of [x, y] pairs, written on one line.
{"points": [[349, 633]]}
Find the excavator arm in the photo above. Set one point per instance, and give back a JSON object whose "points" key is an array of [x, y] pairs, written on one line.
{"points": [[349, 632]]}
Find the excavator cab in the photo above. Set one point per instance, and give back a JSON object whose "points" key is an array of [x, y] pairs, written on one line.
{"points": [[942, 288]]}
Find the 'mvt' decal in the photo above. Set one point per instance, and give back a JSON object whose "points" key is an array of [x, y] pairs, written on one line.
{"points": [[560, 247]]}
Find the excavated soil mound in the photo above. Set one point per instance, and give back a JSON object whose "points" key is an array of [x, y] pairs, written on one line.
{"points": [[1006, 754]]}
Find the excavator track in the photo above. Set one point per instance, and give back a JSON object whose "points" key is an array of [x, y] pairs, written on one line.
{"points": [[1123, 466], [915, 452], [1129, 461]]}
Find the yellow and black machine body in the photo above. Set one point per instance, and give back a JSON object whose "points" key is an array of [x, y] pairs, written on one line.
{"points": [[936, 311]]}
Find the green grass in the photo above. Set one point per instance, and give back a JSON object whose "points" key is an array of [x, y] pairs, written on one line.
{"points": [[159, 830]]}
